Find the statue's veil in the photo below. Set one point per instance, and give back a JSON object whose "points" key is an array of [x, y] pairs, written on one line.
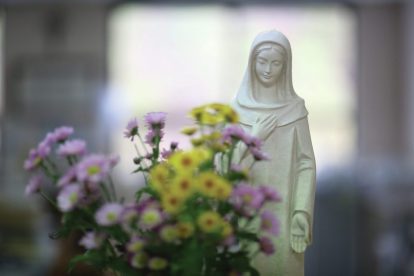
{"points": [[288, 111]]}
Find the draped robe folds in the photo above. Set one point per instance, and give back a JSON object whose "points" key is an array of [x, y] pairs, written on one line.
{"points": [[292, 172], [291, 169]]}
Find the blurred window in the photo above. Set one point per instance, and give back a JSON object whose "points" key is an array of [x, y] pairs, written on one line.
{"points": [[172, 58]]}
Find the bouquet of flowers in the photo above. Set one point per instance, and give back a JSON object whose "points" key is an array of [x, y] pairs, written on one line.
{"points": [[197, 214]]}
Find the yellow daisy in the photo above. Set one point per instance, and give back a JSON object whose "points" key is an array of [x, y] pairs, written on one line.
{"points": [[207, 183], [219, 147], [229, 113], [169, 233], [203, 154], [196, 113], [213, 136], [208, 114], [157, 263], [213, 114], [209, 221], [189, 130], [232, 117], [211, 117], [184, 161], [196, 142], [185, 229], [159, 176], [223, 189], [172, 203], [183, 184]]}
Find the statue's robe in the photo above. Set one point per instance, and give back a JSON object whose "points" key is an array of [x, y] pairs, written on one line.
{"points": [[291, 171]]}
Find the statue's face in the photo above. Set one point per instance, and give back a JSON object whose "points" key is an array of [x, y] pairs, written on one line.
{"points": [[268, 66]]}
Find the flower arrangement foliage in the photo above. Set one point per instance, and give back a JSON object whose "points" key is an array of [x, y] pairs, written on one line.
{"points": [[197, 213]]}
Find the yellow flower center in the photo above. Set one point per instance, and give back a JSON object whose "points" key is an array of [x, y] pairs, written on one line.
{"points": [[73, 198], [136, 246], [185, 184], [157, 264], [186, 161], [169, 233], [247, 198], [111, 216], [150, 218], [267, 223], [160, 177], [37, 161], [140, 260], [173, 201], [93, 170], [209, 221], [185, 229], [209, 184]]}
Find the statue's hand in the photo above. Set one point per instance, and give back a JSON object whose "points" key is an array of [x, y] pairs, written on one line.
{"points": [[299, 232], [263, 126]]}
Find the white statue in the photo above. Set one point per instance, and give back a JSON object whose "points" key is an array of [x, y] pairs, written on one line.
{"points": [[270, 109]]}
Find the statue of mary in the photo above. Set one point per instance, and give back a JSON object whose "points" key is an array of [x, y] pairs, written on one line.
{"points": [[270, 109]]}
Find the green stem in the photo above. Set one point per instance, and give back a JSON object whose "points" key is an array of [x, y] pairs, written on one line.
{"points": [[47, 198], [156, 150], [52, 164], [46, 170], [143, 144], [111, 249], [144, 160], [145, 179], [48, 173], [87, 225], [137, 151], [69, 159], [105, 192], [112, 186]]}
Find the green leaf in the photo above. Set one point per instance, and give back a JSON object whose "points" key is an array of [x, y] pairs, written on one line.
{"points": [[206, 166], [93, 257], [224, 207], [144, 190], [74, 220], [247, 236], [253, 271], [140, 169], [117, 233], [240, 261], [121, 266], [236, 176], [190, 259]]}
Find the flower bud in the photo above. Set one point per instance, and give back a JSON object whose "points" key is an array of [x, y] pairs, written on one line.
{"points": [[137, 160]]}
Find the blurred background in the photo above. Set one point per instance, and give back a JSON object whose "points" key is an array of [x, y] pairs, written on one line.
{"points": [[95, 64]]}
